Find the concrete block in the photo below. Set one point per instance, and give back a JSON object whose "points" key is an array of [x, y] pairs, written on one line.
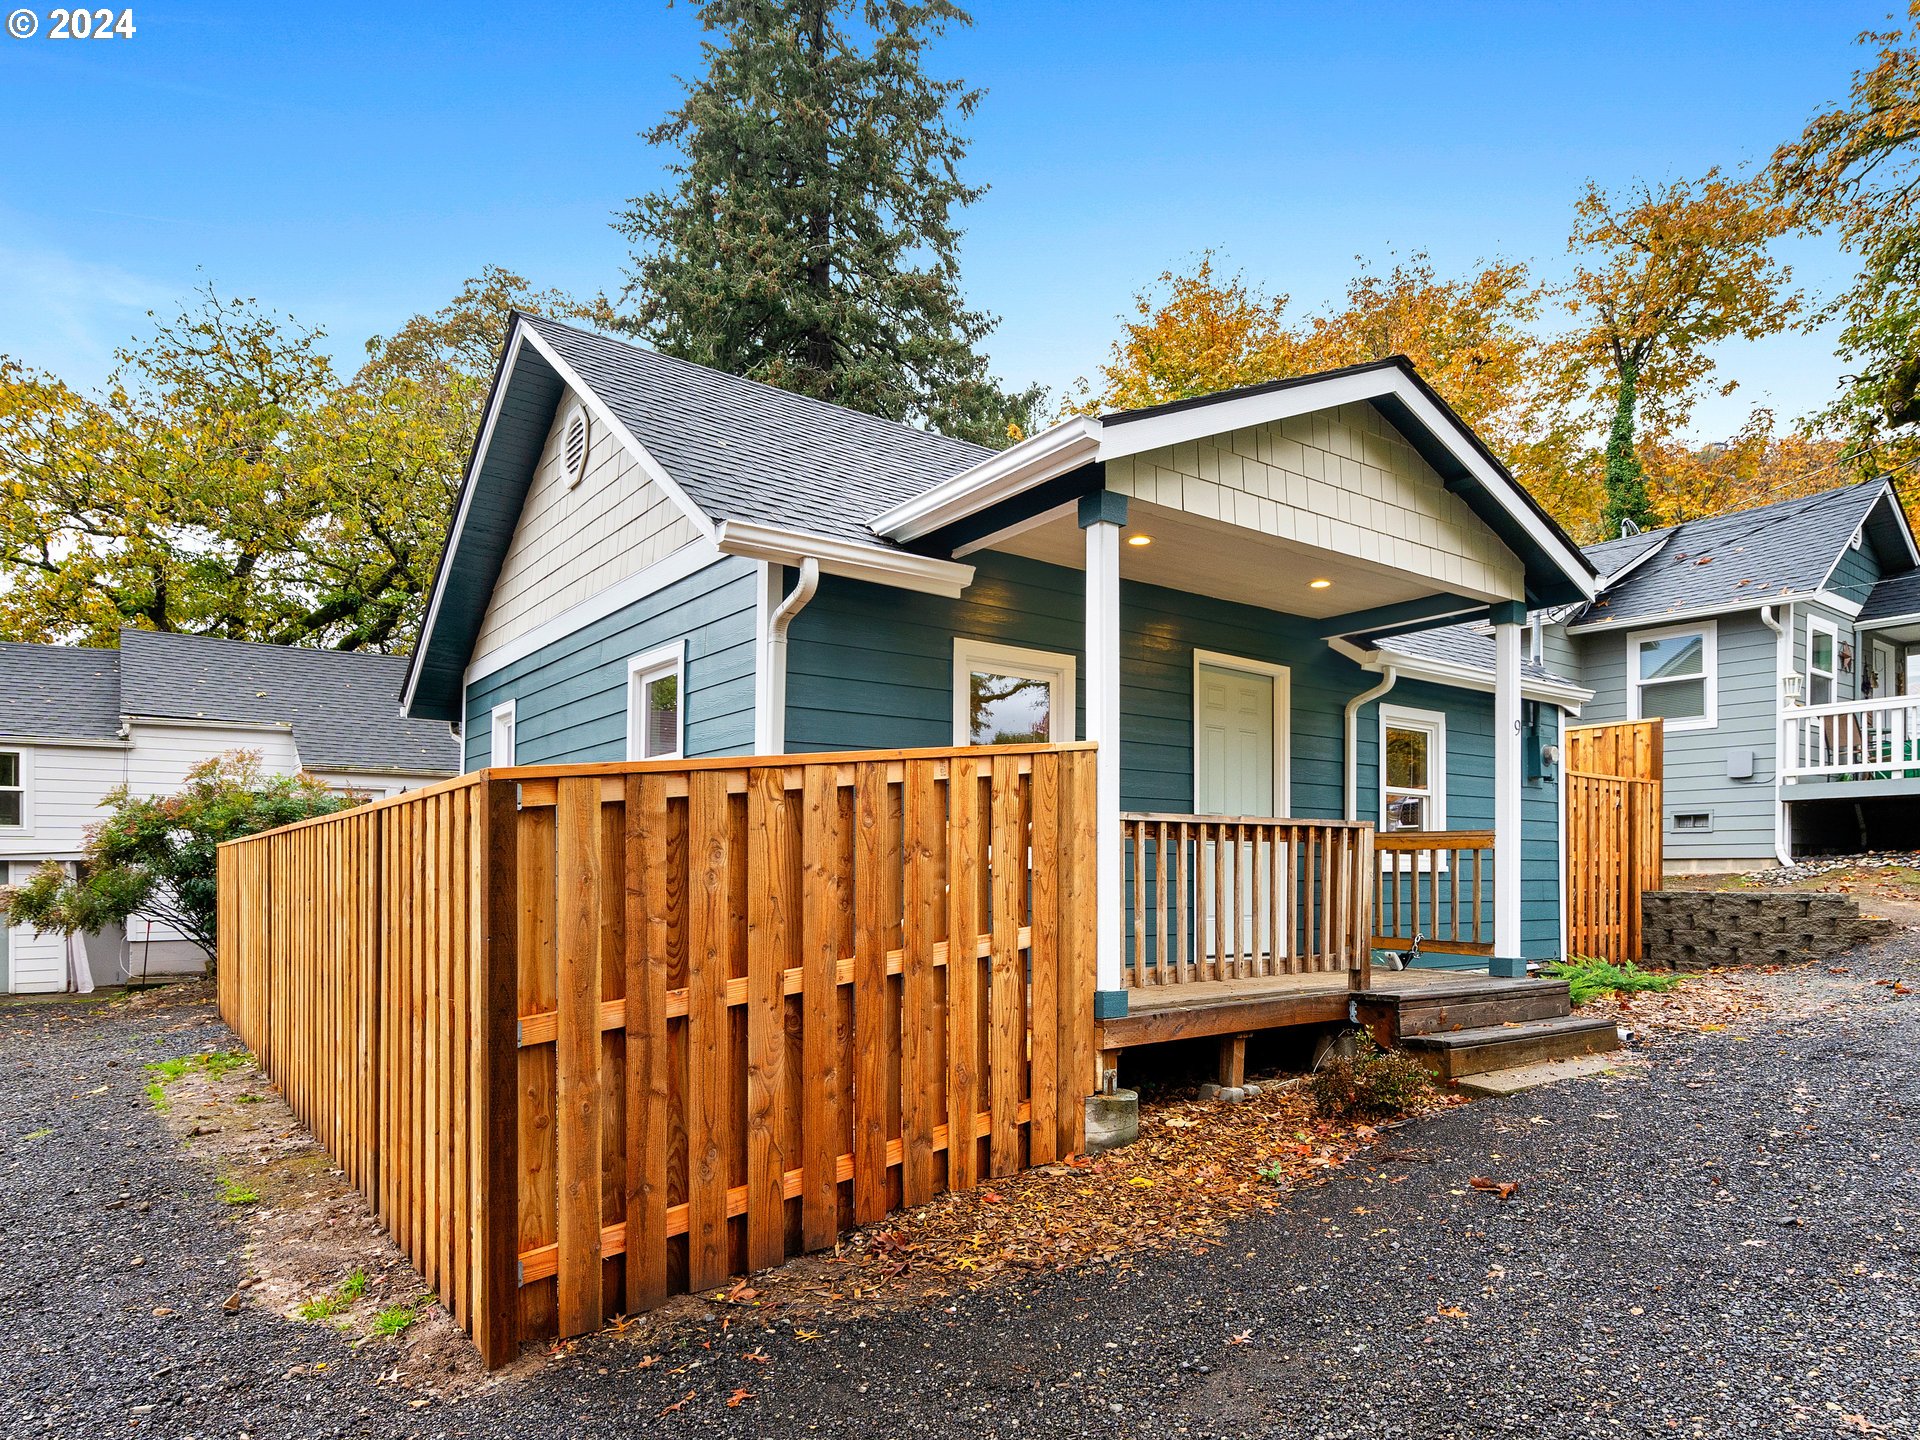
{"points": [[1113, 1119]]}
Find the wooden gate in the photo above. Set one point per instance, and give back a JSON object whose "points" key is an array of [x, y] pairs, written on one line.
{"points": [[1613, 785]]}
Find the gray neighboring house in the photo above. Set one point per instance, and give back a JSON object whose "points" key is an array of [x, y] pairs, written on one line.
{"points": [[1779, 646], [80, 722]]}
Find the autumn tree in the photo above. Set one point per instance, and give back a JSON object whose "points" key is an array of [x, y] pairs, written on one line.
{"points": [[1856, 168], [1755, 466], [1663, 274], [228, 481], [810, 236]]}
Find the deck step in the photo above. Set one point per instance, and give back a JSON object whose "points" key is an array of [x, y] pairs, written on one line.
{"points": [[1439, 1013], [1498, 1047]]}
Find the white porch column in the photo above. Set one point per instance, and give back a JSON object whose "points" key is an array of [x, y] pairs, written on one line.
{"points": [[1508, 621], [1102, 514]]}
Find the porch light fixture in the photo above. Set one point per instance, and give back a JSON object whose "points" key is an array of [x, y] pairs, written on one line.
{"points": [[1318, 584], [1139, 539]]}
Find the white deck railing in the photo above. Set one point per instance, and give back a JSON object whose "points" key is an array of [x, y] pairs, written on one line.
{"points": [[1875, 739]]}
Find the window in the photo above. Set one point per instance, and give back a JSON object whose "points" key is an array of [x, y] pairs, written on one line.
{"points": [[1823, 648], [1670, 675], [503, 741], [654, 712], [1004, 695], [13, 789], [1413, 769]]}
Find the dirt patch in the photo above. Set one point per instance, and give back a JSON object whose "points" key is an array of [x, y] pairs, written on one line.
{"points": [[314, 1252], [1866, 877], [1748, 1001]]}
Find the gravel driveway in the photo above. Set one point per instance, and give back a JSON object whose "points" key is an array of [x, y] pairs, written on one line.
{"points": [[1727, 1242]]}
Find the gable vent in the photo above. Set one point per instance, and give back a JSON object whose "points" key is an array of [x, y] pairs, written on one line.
{"points": [[574, 446]]}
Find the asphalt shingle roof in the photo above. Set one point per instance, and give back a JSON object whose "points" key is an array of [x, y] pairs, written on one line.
{"points": [[344, 706], [747, 451], [1746, 555], [1469, 644], [1893, 597], [58, 692]]}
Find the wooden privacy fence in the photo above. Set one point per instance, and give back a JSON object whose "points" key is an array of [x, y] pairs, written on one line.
{"points": [[1613, 776], [587, 1036], [1437, 884], [1230, 897]]}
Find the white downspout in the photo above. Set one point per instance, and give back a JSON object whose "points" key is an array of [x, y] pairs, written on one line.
{"points": [[772, 736], [1782, 664], [1387, 677]]}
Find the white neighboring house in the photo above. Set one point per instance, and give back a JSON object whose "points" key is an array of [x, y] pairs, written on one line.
{"points": [[78, 722]]}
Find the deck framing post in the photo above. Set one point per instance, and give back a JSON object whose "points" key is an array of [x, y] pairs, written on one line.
{"points": [[1508, 619], [1102, 516]]}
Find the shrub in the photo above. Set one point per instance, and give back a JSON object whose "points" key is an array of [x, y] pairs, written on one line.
{"points": [[1588, 979], [1371, 1084]]}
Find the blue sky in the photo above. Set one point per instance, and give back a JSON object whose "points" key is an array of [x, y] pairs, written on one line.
{"points": [[350, 165]]}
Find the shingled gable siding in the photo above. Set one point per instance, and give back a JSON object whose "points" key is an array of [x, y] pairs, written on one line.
{"points": [[572, 542], [1696, 760], [869, 667], [570, 697]]}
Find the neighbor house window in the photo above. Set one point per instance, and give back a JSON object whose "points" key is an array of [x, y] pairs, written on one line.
{"points": [[1670, 676], [1823, 646], [503, 743], [655, 685], [1413, 769], [13, 789], [1006, 695]]}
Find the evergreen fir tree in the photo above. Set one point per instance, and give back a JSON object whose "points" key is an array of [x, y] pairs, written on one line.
{"points": [[809, 239]]}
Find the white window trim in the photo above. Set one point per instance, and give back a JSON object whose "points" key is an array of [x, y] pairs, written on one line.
{"points": [[25, 827], [1709, 633], [1434, 722], [1820, 625], [1056, 667], [643, 669], [503, 711], [1282, 678]]}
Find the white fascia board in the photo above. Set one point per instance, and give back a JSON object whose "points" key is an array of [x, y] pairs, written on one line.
{"points": [[639, 453], [1565, 694], [847, 558], [63, 742], [207, 722], [1055, 451]]}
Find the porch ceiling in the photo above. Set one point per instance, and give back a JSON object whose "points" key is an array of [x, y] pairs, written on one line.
{"points": [[1199, 556]]}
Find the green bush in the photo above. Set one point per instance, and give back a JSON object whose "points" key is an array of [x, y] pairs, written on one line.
{"points": [[1588, 979], [1371, 1084]]}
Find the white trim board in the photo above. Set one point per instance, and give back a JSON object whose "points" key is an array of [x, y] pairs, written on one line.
{"points": [[689, 559], [1282, 677], [1564, 694], [650, 665], [1057, 667], [849, 559]]}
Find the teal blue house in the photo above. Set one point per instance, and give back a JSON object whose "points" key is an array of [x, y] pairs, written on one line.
{"points": [[1306, 599]]}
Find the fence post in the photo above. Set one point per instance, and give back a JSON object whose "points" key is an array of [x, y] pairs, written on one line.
{"points": [[496, 1301]]}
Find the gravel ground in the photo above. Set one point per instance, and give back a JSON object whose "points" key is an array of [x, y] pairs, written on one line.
{"points": [[1725, 1241]]}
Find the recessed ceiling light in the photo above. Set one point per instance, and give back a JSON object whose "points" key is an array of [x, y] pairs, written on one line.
{"points": [[1318, 584], [1139, 539]]}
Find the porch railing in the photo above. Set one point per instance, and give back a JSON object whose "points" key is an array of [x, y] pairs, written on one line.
{"points": [[1237, 897], [1864, 739], [1437, 884]]}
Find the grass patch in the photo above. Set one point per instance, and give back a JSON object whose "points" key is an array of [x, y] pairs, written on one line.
{"points": [[393, 1320], [248, 1099], [1589, 980], [157, 1093], [325, 1307], [208, 1062], [234, 1192], [1372, 1084]]}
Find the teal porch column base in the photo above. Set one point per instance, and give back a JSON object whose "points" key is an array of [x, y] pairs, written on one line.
{"points": [[1109, 1004], [1506, 967]]}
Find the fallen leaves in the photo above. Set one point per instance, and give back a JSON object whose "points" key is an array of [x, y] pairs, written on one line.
{"points": [[739, 1397], [1503, 1189]]}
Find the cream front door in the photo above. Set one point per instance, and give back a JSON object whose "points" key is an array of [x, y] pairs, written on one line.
{"points": [[1240, 731]]}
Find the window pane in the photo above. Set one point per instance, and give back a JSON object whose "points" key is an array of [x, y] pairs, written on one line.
{"points": [[1008, 709], [1822, 650], [9, 807], [1820, 690], [663, 715], [1681, 700], [1406, 812], [9, 767], [1407, 759], [1672, 657]]}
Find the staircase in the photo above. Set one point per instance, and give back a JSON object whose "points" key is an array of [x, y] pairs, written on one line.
{"points": [[1472, 1026]]}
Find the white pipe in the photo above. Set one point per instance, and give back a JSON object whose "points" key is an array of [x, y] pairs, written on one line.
{"points": [[1387, 677], [773, 737], [1782, 665]]}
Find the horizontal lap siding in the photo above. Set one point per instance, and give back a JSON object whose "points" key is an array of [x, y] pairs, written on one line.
{"points": [[1696, 760], [570, 698]]}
